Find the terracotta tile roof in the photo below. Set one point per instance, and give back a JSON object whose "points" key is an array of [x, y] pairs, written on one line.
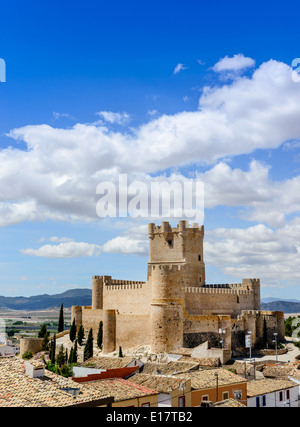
{"points": [[121, 389], [206, 378], [240, 368], [18, 389], [204, 361], [107, 362], [229, 403], [265, 386], [162, 384], [169, 368], [279, 372]]}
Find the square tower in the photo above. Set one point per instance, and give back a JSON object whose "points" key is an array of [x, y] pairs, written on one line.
{"points": [[182, 246]]}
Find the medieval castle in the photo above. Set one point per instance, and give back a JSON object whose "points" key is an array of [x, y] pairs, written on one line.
{"points": [[175, 308]]}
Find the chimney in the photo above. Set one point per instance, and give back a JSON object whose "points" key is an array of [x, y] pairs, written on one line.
{"points": [[34, 370]]}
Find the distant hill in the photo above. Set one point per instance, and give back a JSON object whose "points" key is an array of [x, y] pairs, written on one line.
{"points": [[286, 306], [271, 299], [42, 302]]}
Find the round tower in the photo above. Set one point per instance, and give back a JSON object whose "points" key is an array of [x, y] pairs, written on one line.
{"points": [[175, 261], [97, 294], [76, 313], [109, 331], [166, 314]]}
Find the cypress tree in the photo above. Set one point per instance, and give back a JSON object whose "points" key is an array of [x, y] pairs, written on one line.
{"points": [[75, 354], [71, 356], [120, 352], [45, 345], [88, 348], [60, 360], [100, 335], [265, 333], [73, 331], [61, 323], [80, 334], [53, 350]]}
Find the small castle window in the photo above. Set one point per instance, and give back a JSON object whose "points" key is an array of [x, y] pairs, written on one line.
{"points": [[170, 243], [199, 257]]}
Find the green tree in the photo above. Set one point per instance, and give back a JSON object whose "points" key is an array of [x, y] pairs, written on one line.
{"points": [[61, 359], [75, 352], [88, 348], [288, 327], [71, 356], [100, 335], [45, 344], [265, 333], [80, 335], [42, 331], [53, 350], [27, 355], [73, 331], [61, 323]]}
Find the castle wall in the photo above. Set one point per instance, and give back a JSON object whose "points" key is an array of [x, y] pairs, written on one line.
{"points": [[207, 301], [223, 299], [128, 297], [91, 319], [125, 330], [200, 328], [132, 330]]}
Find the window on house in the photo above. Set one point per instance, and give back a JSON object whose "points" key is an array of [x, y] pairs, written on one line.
{"points": [[199, 257], [264, 400], [281, 396], [288, 395], [257, 402], [205, 398], [146, 405], [225, 395], [181, 402]]}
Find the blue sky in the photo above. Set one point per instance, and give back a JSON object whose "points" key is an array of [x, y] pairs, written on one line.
{"points": [[176, 89]]}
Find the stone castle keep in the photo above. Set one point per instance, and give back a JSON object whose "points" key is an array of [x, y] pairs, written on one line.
{"points": [[175, 308]]}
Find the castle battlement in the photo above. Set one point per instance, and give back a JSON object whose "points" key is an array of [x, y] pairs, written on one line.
{"points": [[182, 227], [121, 285], [218, 291], [126, 282]]}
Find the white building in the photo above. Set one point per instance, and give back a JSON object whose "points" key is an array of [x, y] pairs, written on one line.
{"points": [[272, 393], [8, 349]]}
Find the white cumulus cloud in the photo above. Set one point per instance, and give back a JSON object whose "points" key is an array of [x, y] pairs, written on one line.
{"points": [[65, 250], [235, 63]]}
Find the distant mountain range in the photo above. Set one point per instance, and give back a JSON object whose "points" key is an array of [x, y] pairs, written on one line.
{"points": [[43, 302], [282, 305], [270, 299], [84, 297]]}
